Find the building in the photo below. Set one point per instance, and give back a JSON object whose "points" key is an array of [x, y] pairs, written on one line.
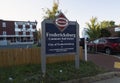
{"points": [[17, 32], [115, 31]]}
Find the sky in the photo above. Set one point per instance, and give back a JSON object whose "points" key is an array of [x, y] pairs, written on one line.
{"points": [[75, 10]]}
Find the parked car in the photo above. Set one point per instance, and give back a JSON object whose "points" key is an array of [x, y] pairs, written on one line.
{"points": [[108, 45]]}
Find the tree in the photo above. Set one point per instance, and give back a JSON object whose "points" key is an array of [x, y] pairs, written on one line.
{"points": [[105, 32], [93, 29], [37, 35], [51, 13], [106, 24], [112, 23]]}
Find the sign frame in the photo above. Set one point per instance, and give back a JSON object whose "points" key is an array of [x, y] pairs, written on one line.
{"points": [[43, 45]]}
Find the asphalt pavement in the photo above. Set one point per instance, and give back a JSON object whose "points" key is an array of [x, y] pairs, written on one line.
{"points": [[106, 62], [112, 80]]}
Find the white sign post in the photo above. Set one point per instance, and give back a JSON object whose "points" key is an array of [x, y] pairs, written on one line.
{"points": [[85, 41]]}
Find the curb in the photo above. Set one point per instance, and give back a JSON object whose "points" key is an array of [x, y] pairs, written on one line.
{"points": [[98, 77]]}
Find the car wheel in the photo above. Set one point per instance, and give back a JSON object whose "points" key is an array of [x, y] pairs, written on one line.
{"points": [[108, 51]]}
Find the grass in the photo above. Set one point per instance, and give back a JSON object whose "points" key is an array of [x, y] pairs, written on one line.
{"points": [[55, 72]]}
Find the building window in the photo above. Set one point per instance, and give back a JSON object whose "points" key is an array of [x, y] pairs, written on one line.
{"points": [[4, 32], [34, 26], [3, 24], [20, 26], [20, 33], [27, 26], [27, 33]]}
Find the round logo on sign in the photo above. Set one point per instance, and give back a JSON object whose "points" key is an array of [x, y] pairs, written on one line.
{"points": [[61, 22]]}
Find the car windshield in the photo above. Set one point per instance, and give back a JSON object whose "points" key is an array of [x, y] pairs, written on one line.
{"points": [[114, 40]]}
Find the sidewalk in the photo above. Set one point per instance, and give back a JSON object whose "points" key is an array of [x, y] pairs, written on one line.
{"points": [[104, 61]]}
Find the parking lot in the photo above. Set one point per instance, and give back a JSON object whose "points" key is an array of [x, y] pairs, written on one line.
{"points": [[104, 60]]}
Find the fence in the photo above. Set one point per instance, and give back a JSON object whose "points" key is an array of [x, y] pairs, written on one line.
{"points": [[20, 56]]}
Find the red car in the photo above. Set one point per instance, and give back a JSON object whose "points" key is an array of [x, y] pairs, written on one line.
{"points": [[108, 45]]}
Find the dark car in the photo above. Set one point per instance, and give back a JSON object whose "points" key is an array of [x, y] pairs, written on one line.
{"points": [[108, 45], [81, 42]]}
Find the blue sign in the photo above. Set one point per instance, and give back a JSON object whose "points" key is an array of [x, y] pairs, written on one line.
{"points": [[60, 42], [59, 36]]}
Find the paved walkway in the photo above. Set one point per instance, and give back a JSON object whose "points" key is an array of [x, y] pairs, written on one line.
{"points": [[104, 61]]}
